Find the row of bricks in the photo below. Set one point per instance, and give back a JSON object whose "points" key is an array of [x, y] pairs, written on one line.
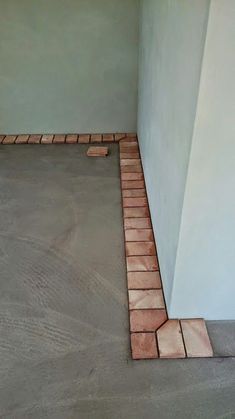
{"points": [[152, 334], [62, 139]]}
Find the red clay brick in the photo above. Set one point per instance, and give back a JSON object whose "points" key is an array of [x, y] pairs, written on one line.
{"points": [[196, 338], [144, 280], [144, 346], [97, 151], [135, 223], [129, 155], [131, 134], [132, 176], [96, 138], [142, 263], [133, 193], [147, 320], [140, 249], [119, 137], [131, 150], [139, 235], [146, 299], [35, 139], [71, 139], [131, 169], [126, 142], [133, 184], [9, 139], [170, 341], [141, 212], [47, 139], [84, 138], [108, 138], [59, 139], [22, 139], [134, 202], [129, 162]]}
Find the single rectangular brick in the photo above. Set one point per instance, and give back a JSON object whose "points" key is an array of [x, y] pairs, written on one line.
{"points": [[132, 176], [47, 139], [143, 280], [129, 156], [22, 139], [131, 169], [119, 137], [9, 139], [133, 184], [134, 193], [127, 142], [97, 151], [170, 340], [108, 138], [139, 235], [135, 223], [129, 162], [84, 138], [96, 138], [145, 299], [71, 139], [140, 249], [132, 150], [141, 212], [147, 320], [59, 139], [141, 263], [144, 346], [134, 202], [35, 139], [196, 338]]}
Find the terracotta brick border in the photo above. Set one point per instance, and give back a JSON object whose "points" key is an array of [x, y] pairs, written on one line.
{"points": [[152, 333]]}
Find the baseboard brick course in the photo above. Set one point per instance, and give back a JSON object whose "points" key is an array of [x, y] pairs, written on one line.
{"points": [[152, 334]]}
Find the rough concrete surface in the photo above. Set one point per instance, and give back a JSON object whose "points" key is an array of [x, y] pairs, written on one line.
{"points": [[64, 340]]}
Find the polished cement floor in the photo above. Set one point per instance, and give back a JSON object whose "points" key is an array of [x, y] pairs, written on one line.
{"points": [[64, 340]]}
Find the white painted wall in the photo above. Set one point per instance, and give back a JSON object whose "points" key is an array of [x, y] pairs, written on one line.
{"points": [[171, 50], [204, 282]]}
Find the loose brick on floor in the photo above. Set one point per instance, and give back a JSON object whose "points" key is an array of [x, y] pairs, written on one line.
{"points": [[134, 193], [170, 340], [71, 139], [59, 139], [139, 235], [144, 346], [137, 223], [146, 299], [9, 139], [141, 263], [140, 249], [96, 138], [84, 139], [134, 202], [133, 184], [22, 139], [147, 320], [143, 280], [141, 212], [34, 139], [47, 139], [196, 339], [97, 151]]}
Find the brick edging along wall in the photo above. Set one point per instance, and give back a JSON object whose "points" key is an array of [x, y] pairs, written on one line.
{"points": [[152, 333]]}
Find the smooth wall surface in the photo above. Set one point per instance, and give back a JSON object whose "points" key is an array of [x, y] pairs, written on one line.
{"points": [[68, 66], [204, 277], [171, 50]]}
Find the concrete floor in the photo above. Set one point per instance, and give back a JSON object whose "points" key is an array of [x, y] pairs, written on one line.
{"points": [[64, 340]]}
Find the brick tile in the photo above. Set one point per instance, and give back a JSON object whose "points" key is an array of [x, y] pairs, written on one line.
{"points": [[132, 176], [34, 139], [131, 134], [143, 280], [146, 299], [144, 346], [141, 263], [170, 340], [9, 139], [196, 338], [97, 151], [133, 184], [131, 169], [71, 139], [147, 320], [59, 139], [84, 138], [2, 138], [108, 138], [126, 142], [134, 202], [47, 139], [141, 212], [21, 139], [132, 150], [129, 162], [133, 193], [119, 137], [96, 138], [137, 223], [129, 155], [140, 249], [139, 235]]}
